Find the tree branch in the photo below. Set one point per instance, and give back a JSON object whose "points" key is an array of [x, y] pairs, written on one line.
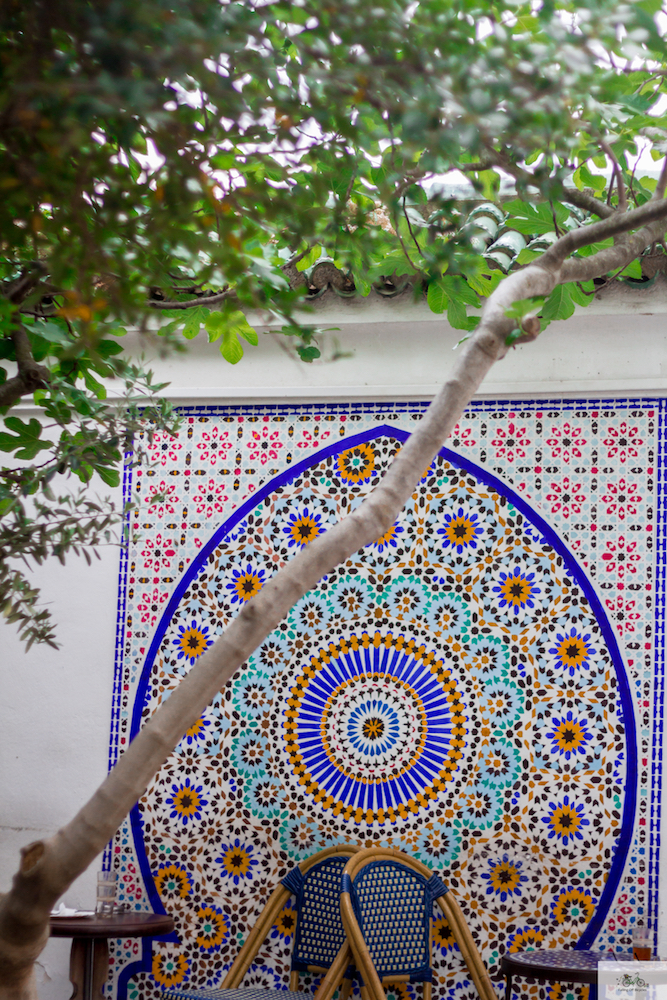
{"points": [[651, 211], [414, 238], [661, 185], [615, 166], [17, 291], [203, 300], [586, 199], [30, 376]]}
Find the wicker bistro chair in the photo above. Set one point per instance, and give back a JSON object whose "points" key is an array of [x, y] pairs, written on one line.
{"points": [[320, 944], [386, 904]]}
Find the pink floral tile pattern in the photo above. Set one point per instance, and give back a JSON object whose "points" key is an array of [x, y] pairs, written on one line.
{"points": [[469, 602]]}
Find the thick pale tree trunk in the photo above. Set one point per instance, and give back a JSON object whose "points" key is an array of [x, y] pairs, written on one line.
{"points": [[49, 867]]}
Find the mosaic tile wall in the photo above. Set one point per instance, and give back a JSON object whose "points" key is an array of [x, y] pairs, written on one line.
{"points": [[477, 687]]}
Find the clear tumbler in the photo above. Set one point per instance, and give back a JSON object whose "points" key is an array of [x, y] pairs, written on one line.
{"points": [[106, 893]]}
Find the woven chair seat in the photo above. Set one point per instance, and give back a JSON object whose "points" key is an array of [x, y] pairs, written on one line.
{"points": [[248, 993]]}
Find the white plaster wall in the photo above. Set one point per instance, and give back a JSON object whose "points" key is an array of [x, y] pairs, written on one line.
{"points": [[398, 349], [54, 728], [55, 706]]}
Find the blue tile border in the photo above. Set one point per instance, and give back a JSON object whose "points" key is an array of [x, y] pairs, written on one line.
{"points": [[417, 408]]}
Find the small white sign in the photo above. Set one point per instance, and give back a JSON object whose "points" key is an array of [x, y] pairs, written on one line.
{"points": [[632, 980]]}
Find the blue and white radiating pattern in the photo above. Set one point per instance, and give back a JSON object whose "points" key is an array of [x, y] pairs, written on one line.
{"points": [[376, 721]]}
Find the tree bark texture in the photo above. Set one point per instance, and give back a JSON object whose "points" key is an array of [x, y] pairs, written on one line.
{"points": [[49, 867]]}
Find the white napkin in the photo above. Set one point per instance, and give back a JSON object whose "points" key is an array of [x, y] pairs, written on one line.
{"points": [[65, 911]]}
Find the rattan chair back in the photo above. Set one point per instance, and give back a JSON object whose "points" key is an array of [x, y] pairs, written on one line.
{"points": [[387, 903], [320, 944]]}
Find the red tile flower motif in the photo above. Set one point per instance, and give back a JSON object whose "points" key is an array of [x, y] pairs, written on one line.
{"points": [[213, 446], [623, 442], [162, 499], [623, 613], [210, 498], [566, 497], [163, 448], [461, 437], [623, 498], [265, 445], [130, 883], [510, 442], [566, 442], [313, 440], [157, 553], [621, 557], [623, 910], [150, 604]]}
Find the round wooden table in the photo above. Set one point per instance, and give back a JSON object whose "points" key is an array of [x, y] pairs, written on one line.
{"points": [[554, 965], [89, 957]]}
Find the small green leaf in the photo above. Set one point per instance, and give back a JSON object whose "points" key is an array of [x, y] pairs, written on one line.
{"points": [[313, 254], [108, 475], [459, 289], [522, 307], [583, 177], [216, 324], [488, 182], [593, 248], [362, 285], [639, 103], [239, 324], [437, 297], [485, 280], [92, 385], [527, 256], [26, 438], [559, 305], [107, 348], [633, 270], [526, 23], [513, 336], [584, 295], [457, 315], [535, 220], [230, 326], [52, 331], [193, 321], [308, 353], [230, 348]]}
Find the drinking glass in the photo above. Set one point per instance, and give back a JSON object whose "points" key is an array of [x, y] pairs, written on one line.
{"points": [[106, 893], [641, 943]]}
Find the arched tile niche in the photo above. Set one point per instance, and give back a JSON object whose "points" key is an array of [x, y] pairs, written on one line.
{"points": [[454, 689]]}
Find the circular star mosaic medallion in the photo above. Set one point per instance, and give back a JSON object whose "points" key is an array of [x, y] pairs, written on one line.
{"points": [[374, 726]]}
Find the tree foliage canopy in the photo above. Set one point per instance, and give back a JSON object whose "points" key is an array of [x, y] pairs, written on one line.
{"points": [[173, 164]]}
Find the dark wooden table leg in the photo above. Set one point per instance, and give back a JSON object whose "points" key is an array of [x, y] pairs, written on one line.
{"points": [[508, 987], [88, 967]]}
